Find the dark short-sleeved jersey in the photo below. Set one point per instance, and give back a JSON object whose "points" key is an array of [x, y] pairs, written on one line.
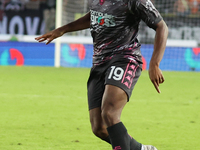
{"points": [[114, 26]]}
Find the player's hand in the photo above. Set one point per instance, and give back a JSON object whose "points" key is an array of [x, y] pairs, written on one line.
{"points": [[156, 77], [50, 36]]}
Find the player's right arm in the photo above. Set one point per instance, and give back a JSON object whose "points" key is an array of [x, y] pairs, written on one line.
{"points": [[79, 24]]}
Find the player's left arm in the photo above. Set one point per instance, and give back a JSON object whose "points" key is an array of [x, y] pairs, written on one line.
{"points": [[150, 15], [155, 74]]}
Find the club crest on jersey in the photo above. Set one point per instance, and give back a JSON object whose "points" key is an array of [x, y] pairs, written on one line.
{"points": [[101, 2]]}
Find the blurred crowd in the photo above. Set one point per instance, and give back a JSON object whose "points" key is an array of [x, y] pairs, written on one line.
{"points": [[178, 7]]}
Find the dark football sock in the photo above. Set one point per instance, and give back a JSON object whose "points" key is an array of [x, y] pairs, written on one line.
{"points": [[107, 139], [120, 139], [135, 145]]}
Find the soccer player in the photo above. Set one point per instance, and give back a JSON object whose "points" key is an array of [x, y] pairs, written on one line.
{"points": [[117, 62]]}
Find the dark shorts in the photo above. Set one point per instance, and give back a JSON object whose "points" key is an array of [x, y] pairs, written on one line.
{"points": [[120, 72]]}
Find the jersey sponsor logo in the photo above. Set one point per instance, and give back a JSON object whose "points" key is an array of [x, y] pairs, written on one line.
{"points": [[102, 19]]}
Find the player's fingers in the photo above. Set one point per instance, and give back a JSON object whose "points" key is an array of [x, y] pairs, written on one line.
{"points": [[49, 40], [156, 85], [41, 40], [40, 37], [37, 38], [43, 37], [161, 79]]}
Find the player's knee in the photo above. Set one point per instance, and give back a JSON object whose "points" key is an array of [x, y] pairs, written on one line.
{"points": [[109, 117], [99, 131]]}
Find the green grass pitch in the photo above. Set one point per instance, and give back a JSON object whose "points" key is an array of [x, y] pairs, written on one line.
{"points": [[44, 108]]}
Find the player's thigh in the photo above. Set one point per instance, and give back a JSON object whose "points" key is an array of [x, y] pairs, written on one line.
{"points": [[114, 99], [123, 75]]}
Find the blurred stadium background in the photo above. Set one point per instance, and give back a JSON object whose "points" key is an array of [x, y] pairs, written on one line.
{"points": [[22, 20]]}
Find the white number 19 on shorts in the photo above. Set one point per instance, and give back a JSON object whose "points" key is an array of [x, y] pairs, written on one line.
{"points": [[116, 73]]}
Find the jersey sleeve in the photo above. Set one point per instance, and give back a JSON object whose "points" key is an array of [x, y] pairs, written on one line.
{"points": [[146, 11]]}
